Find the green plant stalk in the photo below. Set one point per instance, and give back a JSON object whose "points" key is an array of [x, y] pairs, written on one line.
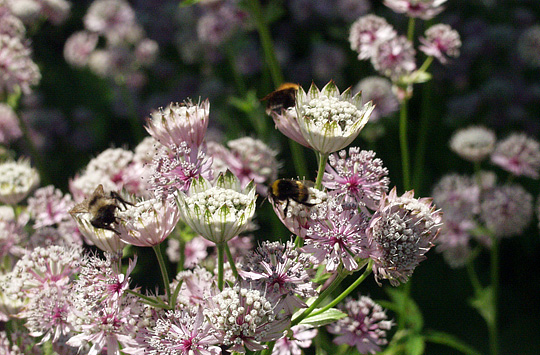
{"points": [[459, 346], [156, 302], [231, 261], [266, 42], [349, 289], [240, 85], [337, 281], [323, 158], [163, 268], [410, 29], [492, 326], [221, 262], [404, 145], [270, 348]]}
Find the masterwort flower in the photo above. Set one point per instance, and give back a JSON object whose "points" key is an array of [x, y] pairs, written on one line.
{"points": [[17, 180], [179, 123], [330, 121], [218, 212], [401, 232], [291, 344], [441, 41], [518, 154], [148, 222], [364, 327], [367, 32], [424, 9], [473, 143]]}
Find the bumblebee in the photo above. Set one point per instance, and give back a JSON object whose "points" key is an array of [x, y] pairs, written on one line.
{"points": [[281, 99], [288, 189], [102, 207]]}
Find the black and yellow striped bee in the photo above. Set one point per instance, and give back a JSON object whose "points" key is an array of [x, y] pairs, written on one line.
{"points": [[281, 99], [289, 189]]}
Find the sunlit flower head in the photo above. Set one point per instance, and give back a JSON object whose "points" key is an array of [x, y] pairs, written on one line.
{"points": [[286, 122], [18, 69], [379, 91], [364, 327], [506, 210], [424, 9], [300, 338], [9, 125], [178, 123], [218, 212], [148, 222], [519, 155], [441, 42], [367, 32], [49, 206], [17, 180], [244, 319], [197, 285], [10, 24], [394, 58], [330, 121], [183, 332], [401, 231], [473, 143], [358, 178], [281, 270]]}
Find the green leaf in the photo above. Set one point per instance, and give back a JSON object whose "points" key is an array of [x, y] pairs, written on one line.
{"points": [[483, 303], [450, 341], [415, 345], [405, 307], [329, 316], [187, 3]]}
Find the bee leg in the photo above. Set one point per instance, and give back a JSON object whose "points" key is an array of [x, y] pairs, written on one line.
{"points": [[285, 210], [119, 198]]}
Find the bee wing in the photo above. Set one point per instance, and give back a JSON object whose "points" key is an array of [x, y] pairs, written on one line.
{"points": [[99, 191], [79, 208]]}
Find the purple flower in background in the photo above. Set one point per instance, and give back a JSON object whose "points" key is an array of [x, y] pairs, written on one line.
{"points": [[379, 91], [18, 69], [79, 46], [441, 41], [473, 143], [367, 33], [301, 338], [9, 125], [394, 58], [519, 155], [424, 9], [364, 327]]}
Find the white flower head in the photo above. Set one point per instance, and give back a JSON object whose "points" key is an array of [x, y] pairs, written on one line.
{"points": [[17, 180], [218, 212], [104, 239], [330, 121]]}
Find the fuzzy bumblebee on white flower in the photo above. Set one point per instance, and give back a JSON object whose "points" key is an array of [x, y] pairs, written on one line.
{"points": [[330, 121], [218, 211]]}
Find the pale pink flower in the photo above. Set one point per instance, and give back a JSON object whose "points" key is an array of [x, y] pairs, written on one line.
{"points": [[18, 69], [286, 122], [474, 143], [17, 180], [519, 155], [301, 338], [179, 123], [114, 19], [400, 232], [9, 125], [148, 222], [441, 42], [10, 24], [394, 58], [49, 206], [364, 327], [367, 32], [424, 9], [197, 285], [79, 46], [379, 91]]}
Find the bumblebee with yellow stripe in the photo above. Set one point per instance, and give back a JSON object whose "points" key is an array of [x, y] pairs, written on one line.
{"points": [[288, 189], [281, 99]]}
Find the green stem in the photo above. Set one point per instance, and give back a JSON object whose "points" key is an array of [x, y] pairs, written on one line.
{"points": [[493, 331], [404, 145], [426, 64], [423, 131], [349, 289], [266, 42], [451, 343], [220, 261], [163, 268], [473, 277], [410, 29], [155, 302], [337, 281], [231, 261], [270, 347], [323, 158], [240, 85]]}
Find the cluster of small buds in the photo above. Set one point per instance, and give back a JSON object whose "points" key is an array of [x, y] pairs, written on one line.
{"points": [[359, 178], [17, 180], [9, 125], [364, 327], [244, 318], [126, 50], [330, 121], [218, 212], [473, 143], [282, 270], [400, 232]]}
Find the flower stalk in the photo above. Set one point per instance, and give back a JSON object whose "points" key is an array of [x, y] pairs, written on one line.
{"points": [[163, 269]]}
